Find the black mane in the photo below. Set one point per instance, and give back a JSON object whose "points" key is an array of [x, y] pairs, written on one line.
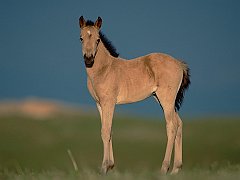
{"points": [[107, 43], [89, 23]]}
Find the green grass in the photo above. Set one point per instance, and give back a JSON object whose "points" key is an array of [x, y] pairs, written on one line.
{"points": [[33, 148], [226, 173]]}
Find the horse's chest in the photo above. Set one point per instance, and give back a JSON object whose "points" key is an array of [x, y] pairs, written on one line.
{"points": [[102, 88]]}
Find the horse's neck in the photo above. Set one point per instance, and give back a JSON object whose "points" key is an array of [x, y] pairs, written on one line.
{"points": [[102, 62]]}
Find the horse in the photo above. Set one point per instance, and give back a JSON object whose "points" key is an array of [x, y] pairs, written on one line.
{"points": [[112, 80]]}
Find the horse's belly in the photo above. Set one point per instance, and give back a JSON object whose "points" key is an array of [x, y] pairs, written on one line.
{"points": [[135, 94]]}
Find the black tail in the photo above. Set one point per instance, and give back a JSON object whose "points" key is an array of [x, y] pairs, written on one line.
{"points": [[184, 85]]}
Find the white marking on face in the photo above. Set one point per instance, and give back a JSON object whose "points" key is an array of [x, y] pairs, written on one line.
{"points": [[89, 33]]}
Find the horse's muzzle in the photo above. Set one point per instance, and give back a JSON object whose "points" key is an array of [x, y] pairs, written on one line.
{"points": [[89, 61]]}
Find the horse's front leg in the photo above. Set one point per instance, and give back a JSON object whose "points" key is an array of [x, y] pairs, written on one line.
{"points": [[106, 110]]}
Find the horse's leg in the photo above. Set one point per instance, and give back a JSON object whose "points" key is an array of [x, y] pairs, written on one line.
{"points": [[106, 112], [178, 146], [167, 102], [111, 154], [111, 148], [171, 134]]}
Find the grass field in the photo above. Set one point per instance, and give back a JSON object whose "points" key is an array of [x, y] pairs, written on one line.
{"points": [[38, 149]]}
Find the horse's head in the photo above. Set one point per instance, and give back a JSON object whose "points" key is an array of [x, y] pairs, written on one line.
{"points": [[90, 39]]}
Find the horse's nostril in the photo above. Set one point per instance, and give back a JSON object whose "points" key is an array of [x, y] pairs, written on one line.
{"points": [[88, 57], [89, 60]]}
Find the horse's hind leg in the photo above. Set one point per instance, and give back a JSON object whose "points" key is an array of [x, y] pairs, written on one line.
{"points": [[167, 99], [178, 147], [171, 128]]}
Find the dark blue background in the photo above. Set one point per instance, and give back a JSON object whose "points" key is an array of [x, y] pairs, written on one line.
{"points": [[40, 52]]}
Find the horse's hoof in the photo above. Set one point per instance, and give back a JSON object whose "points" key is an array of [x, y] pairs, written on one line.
{"points": [[103, 171], [176, 170], [165, 168], [106, 166]]}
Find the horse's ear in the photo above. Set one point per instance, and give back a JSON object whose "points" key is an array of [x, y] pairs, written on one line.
{"points": [[98, 23], [82, 22]]}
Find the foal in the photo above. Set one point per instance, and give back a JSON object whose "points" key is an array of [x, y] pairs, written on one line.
{"points": [[112, 80]]}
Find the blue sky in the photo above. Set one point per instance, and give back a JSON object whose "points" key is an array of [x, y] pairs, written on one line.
{"points": [[40, 52]]}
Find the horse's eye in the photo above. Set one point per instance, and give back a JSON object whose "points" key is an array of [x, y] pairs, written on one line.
{"points": [[98, 40]]}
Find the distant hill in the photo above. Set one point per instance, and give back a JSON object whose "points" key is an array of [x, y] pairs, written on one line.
{"points": [[40, 108]]}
